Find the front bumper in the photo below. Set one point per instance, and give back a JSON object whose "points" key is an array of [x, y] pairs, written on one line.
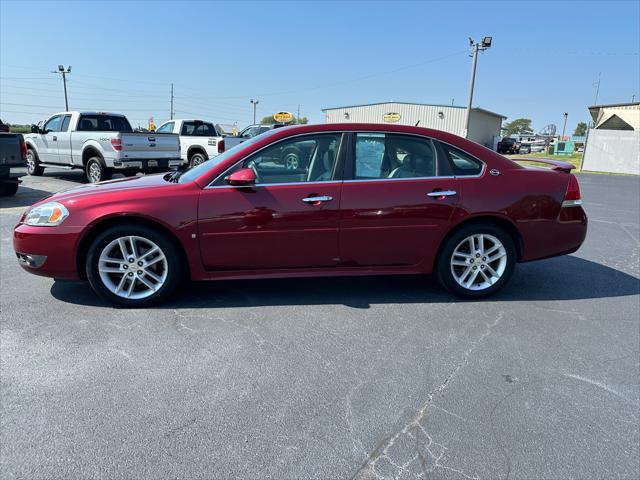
{"points": [[47, 251], [148, 164]]}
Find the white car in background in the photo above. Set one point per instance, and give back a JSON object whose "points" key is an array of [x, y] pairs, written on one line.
{"points": [[199, 140]]}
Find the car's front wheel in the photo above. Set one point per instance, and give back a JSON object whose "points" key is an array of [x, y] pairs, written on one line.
{"points": [[133, 266], [476, 261]]}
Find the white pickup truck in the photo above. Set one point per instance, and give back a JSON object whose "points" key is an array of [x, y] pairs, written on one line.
{"points": [[99, 143], [199, 141]]}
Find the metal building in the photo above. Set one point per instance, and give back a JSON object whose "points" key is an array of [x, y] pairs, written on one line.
{"points": [[613, 142], [484, 126]]}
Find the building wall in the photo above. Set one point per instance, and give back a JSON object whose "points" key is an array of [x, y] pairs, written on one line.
{"points": [[612, 151], [483, 126]]}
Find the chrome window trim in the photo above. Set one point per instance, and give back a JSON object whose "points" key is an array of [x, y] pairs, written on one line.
{"points": [[258, 185], [341, 133]]}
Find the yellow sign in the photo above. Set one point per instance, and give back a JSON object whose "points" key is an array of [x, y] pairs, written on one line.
{"points": [[152, 126], [391, 117], [282, 117]]}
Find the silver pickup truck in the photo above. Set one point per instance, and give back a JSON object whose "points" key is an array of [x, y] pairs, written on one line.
{"points": [[99, 143]]}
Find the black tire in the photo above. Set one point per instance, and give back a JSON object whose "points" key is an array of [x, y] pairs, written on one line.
{"points": [[8, 189], [291, 159], [33, 164], [96, 171], [196, 159], [444, 268], [175, 264]]}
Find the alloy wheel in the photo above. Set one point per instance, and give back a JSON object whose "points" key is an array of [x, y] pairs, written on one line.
{"points": [[478, 261], [95, 173], [291, 161], [133, 267], [31, 161]]}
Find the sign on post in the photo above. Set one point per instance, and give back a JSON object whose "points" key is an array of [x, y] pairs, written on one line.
{"points": [[282, 117]]}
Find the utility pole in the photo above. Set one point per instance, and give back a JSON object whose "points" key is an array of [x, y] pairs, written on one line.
{"points": [[64, 72], [482, 46], [564, 128], [597, 85], [255, 104], [633, 98], [171, 113]]}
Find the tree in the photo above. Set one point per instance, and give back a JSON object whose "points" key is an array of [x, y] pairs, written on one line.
{"points": [[581, 129], [520, 126], [268, 120]]}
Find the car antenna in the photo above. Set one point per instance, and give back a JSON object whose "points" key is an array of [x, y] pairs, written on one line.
{"points": [[417, 123]]}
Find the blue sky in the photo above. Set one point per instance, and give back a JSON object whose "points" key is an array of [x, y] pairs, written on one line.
{"points": [[545, 59]]}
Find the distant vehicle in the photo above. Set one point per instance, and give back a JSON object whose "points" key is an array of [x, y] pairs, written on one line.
{"points": [[508, 145], [199, 141], [537, 147], [4, 127], [13, 154], [385, 199], [249, 132], [99, 143], [524, 148]]}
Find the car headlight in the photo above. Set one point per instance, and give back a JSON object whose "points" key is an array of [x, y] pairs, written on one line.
{"points": [[48, 214]]}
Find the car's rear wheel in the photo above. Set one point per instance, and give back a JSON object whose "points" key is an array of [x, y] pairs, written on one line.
{"points": [[291, 160], [133, 266], [33, 164], [96, 170], [476, 261]]}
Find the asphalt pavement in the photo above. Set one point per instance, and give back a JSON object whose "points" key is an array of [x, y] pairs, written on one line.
{"points": [[381, 377]]}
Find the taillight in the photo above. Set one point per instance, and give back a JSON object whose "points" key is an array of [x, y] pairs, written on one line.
{"points": [[572, 197], [23, 149], [221, 146], [116, 143]]}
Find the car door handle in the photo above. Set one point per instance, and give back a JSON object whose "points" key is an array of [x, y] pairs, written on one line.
{"points": [[55, 139], [442, 193], [318, 199]]}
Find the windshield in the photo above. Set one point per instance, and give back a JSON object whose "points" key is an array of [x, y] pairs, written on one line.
{"points": [[199, 170]]}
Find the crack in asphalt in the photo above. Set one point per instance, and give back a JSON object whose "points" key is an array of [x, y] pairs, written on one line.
{"points": [[368, 469]]}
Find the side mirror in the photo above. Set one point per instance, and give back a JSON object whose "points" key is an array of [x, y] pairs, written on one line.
{"points": [[242, 178], [35, 129]]}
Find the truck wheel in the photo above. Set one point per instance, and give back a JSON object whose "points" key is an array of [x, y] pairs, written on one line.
{"points": [[96, 171], [291, 159], [8, 189], [33, 164], [197, 159]]}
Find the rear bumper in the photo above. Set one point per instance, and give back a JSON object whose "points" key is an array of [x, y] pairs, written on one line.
{"points": [[6, 175], [47, 251], [148, 164], [556, 237]]}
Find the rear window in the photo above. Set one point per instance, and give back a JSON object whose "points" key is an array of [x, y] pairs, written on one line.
{"points": [[461, 163], [103, 123], [198, 129]]}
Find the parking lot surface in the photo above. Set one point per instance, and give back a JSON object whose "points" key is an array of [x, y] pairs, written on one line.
{"points": [[385, 377]]}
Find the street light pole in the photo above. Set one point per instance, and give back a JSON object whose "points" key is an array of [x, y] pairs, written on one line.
{"points": [[64, 72], [482, 46], [564, 128], [255, 104]]}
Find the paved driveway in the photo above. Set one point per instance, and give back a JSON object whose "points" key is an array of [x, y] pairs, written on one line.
{"points": [[334, 378]]}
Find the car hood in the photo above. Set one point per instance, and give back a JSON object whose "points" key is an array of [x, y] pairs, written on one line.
{"points": [[132, 183]]}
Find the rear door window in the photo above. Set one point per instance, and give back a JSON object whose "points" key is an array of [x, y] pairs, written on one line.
{"points": [[461, 163], [65, 123], [388, 155]]}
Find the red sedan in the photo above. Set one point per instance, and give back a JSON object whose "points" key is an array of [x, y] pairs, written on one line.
{"points": [[362, 199]]}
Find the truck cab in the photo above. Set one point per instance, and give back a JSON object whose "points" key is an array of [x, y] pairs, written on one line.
{"points": [[199, 140]]}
